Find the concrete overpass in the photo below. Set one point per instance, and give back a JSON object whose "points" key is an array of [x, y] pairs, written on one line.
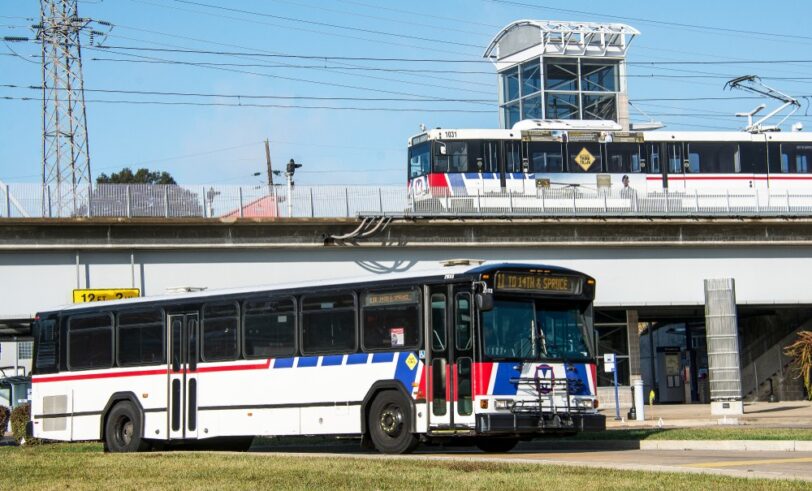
{"points": [[647, 269]]}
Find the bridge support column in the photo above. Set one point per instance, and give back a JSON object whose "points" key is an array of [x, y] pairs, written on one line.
{"points": [[633, 337], [722, 333]]}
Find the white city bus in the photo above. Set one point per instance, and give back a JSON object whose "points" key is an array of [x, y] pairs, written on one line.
{"points": [[491, 353]]}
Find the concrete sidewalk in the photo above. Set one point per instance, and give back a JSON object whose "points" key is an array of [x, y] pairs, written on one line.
{"points": [[795, 414]]}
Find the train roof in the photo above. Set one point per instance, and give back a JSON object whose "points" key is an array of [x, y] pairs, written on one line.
{"points": [[458, 268], [450, 134]]}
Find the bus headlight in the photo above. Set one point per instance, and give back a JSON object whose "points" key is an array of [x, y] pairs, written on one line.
{"points": [[503, 404]]}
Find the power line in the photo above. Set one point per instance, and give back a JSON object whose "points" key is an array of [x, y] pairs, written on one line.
{"points": [[272, 106], [326, 24], [257, 96]]}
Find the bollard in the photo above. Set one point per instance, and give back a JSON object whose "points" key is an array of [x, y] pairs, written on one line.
{"points": [[639, 400]]}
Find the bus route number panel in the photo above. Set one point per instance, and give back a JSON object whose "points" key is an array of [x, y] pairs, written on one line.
{"points": [[101, 294], [535, 282]]}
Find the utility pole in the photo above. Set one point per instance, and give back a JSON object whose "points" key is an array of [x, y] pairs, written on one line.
{"points": [[65, 149], [268, 162]]}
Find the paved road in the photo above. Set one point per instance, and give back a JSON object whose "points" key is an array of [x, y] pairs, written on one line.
{"points": [[775, 465]]}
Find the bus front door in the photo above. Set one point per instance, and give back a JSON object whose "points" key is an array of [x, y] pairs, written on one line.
{"points": [[183, 390], [450, 353]]}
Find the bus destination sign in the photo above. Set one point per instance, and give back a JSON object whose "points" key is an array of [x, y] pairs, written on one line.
{"points": [[390, 298], [518, 281], [101, 294]]}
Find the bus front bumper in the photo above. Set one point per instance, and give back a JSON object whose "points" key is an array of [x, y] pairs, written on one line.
{"points": [[535, 423]]}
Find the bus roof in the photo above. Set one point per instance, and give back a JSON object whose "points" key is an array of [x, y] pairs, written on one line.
{"points": [[430, 273]]}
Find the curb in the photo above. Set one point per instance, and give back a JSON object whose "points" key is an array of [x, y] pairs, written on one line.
{"points": [[712, 445]]}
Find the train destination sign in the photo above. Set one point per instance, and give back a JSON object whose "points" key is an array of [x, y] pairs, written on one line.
{"points": [[535, 282], [101, 294]]}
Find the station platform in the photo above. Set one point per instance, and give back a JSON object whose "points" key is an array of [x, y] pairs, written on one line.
{"points": [[796, 414]]}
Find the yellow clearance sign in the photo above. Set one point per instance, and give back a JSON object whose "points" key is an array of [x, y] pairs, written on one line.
{"points": [[102, 294]]}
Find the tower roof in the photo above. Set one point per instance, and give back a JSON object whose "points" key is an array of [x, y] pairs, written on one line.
{"points": [[561, 38]]}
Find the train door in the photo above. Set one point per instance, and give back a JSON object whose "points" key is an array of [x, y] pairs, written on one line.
{"points": [[675, 167], [450, 329], [182, 375], [656, 178]]}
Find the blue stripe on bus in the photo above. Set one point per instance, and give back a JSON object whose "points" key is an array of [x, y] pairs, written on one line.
{"points": [[283, 363], [405, 374], [331, 360], [383, 357], [357, 359], [579, 375], [502, 386], [308, 361]]}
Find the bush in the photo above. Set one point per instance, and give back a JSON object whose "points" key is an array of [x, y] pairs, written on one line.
{"points": [[801, 353], [20, 417], [4, 415]]}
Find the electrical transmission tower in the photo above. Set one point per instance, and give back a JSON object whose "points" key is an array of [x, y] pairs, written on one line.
{"points": [[66, 174]]}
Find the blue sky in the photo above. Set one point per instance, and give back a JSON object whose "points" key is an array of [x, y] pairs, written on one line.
{"points": [[223, 145]]}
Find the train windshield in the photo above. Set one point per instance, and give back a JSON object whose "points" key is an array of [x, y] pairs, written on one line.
{"points": [[420, 159], [535, 330]]}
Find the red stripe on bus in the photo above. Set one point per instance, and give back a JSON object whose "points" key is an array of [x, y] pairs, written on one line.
{"points": [[91, 376], [482, 378]]}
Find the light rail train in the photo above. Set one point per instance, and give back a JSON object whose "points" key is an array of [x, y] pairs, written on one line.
{"points": [[460, 162]]}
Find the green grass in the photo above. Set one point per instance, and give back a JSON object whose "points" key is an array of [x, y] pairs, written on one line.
{"points": [[701, 433], [85, 466]]}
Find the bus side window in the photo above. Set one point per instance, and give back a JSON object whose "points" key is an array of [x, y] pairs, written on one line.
{"points": [[90, 342], [220, 326], [462, 326], [390, 320], [47, 343], [141, 338], [269, 327], [328, 324], [438, 319]]}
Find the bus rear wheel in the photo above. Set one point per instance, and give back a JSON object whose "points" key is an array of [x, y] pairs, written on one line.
{"points": [[496, 445], [122, 431], [390, 421]]}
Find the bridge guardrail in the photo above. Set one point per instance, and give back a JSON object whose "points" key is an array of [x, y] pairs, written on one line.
{"points": [[261, 201]]}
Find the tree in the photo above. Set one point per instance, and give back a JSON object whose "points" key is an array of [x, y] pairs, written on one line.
{"points": [[141, 176], [801, 353]]}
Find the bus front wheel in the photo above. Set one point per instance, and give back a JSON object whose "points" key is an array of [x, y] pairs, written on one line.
{"points": [[390, 420], [123, 432]]}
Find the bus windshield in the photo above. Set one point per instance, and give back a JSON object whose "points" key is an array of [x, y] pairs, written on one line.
{"points": [[533, 330]]}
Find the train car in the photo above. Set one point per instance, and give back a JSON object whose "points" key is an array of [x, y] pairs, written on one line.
{"points": [[554, 155]]}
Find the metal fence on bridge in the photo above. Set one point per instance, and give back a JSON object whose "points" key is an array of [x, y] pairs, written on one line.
{"points": [[259, 201]]}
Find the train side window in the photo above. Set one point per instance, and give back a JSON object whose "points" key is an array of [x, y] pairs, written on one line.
{"points": [[545, 157], [390, 320], [455, 158], [774, 157], [328, 324], [584, 157], [623, 158], [713, 158], [90, 342], [674, 158], [220, 325], [753, 157], [513, 157], [653, 150], [796, 158], [141, 338], [269, 327]]}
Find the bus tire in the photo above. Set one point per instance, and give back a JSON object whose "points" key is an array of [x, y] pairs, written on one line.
{"points": [[390, 421], [122, 430], [496, 444]]}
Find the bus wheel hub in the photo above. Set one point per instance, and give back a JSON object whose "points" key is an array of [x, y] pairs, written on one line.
{"points": [[391, 421]]}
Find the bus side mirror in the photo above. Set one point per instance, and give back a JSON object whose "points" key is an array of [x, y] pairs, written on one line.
{"points": [[484, 301]]}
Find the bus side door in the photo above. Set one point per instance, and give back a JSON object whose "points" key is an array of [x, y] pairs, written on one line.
{"points": [[182, 375], [450, 329]]}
